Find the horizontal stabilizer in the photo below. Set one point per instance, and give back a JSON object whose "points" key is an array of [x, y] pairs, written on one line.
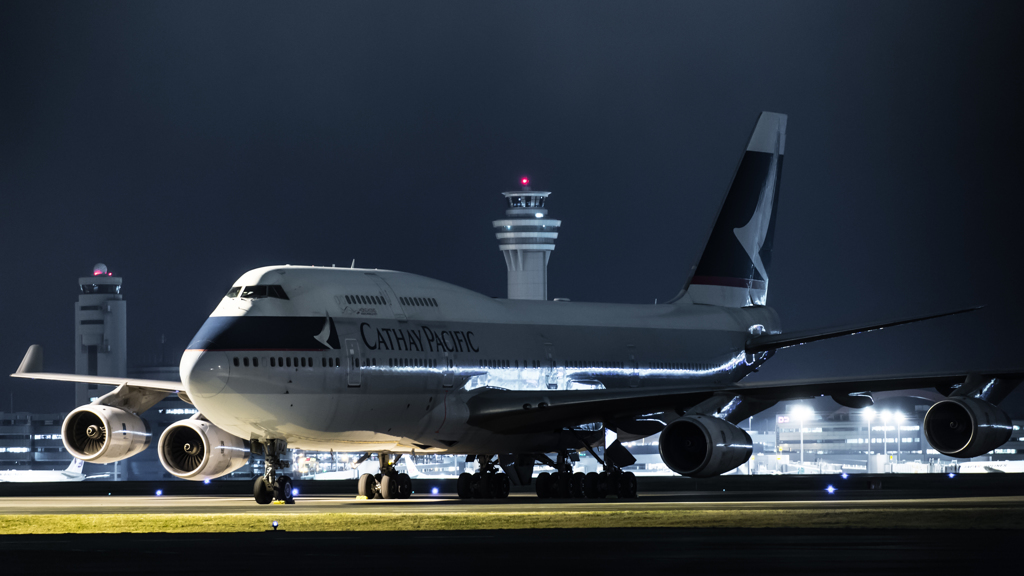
{"points": [[32, 367], [777, 341]]}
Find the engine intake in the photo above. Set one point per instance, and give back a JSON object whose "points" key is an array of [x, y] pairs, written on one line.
{"points": [[198, 450], [966, 427], [103, 434], [703, 446]]}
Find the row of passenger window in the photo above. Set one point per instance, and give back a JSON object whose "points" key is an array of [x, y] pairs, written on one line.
{"points": [[594, 364], [411, 301], [680, 366], [296, 362], [368, 300], [412, 363], [509, 364]]}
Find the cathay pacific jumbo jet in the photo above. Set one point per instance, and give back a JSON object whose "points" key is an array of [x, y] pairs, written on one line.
{"points": [[386, 362]]}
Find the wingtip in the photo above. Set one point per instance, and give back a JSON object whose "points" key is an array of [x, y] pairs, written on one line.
{"points": [[32, 362]]}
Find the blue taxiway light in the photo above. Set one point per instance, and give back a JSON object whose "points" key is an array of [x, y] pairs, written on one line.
{"points": [[434, 491], [295, 491], [159, 492], [951, 475], [831, 489], [844, 475], [207, 481]]}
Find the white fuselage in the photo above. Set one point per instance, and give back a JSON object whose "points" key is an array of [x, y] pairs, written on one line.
{"points": [[367, 360]]}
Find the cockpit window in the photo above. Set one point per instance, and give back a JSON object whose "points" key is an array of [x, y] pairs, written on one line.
{"points": [[233, 293], [268, 291]]}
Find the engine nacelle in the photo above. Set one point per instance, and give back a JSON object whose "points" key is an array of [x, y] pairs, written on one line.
{"points": [[702, 446], [104, 434], [198, 450], [966, 427]]}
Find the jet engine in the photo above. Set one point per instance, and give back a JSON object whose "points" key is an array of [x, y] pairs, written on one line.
{"points": [[198, 450], [702, 446], [966, 427], [104, 434]]}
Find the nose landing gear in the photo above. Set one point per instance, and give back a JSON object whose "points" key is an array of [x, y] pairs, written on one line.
{"points": [[388, 484], [271, 488]]}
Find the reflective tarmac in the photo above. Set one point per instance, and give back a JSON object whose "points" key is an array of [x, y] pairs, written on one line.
{"points": [[449, 504]]}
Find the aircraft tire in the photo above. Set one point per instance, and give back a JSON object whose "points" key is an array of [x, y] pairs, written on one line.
{"points": [[500, 485], [577, 484], [481, 486], [543, 485], [367, 486], [564, 485], [464, 486], [404, 486], [627, 485], [603, 485], [590, 487], [260, 492], [283, 489], [389, 487]]}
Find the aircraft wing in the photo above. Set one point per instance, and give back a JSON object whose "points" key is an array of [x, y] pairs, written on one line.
{"points": [[777, 341], [507, 411], [32, 367]]}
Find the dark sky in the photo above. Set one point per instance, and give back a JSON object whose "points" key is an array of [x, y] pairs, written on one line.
{"points": [[185, 143]]}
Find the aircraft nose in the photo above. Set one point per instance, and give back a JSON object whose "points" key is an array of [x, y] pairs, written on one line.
{"points": [[204, 373]]}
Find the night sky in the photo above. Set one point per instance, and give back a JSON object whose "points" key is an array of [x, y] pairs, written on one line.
{"points": [[184, 143]]}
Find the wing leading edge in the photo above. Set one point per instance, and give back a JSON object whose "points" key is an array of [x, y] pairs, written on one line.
{"points": [[32, 367]]}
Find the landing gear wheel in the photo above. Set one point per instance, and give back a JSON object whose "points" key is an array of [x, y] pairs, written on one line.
{"points": [[577, 485], [260, 491], [543, 485], [481, 486], [500, 485], [283, 490], [367, 486], [465, 486], [564, 484], [603, 489], [627, 485], [389, 487], [404, 486], [590, 485]]}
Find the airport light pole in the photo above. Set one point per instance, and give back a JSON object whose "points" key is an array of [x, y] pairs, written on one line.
{"points": [[869, 414], [899, 441], [886, 415], [802, 413]]}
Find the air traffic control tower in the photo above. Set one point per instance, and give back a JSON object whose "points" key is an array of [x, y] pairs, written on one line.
{"points": [[100, 332], [526, 237]]}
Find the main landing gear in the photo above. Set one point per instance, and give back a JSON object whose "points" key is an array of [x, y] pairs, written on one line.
{"points": [[388, 483], [271, 488], [487, 483], [565, 484]]}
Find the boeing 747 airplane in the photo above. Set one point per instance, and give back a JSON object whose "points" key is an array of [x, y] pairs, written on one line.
{"points": [[379, 361]]}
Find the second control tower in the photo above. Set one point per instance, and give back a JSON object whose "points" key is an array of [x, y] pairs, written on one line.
{"points": [[526, 237], [100, 332]]}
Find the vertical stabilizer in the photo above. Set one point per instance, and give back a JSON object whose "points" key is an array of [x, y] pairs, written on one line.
{"points": [[734, 268]]}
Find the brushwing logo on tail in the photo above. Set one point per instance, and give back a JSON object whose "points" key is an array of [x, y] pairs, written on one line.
{"points": [[753, 234]]}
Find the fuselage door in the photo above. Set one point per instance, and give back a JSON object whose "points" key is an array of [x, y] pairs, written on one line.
{"points": [[448, 376], [392, 299], [354, 361], [634, 366]]}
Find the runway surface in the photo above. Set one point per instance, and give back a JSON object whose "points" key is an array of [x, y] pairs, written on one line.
{"points": [[449, 504], [601, 551]]}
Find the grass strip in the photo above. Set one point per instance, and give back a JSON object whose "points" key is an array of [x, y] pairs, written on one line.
{"points": [[906, 518]]}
